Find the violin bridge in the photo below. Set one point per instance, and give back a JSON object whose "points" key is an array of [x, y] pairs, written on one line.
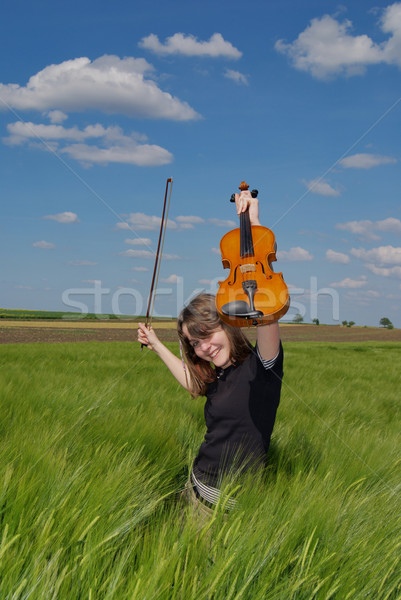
{"points": [[248, 268]]}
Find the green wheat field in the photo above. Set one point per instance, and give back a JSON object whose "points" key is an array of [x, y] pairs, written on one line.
{"points": [[97, 440]]}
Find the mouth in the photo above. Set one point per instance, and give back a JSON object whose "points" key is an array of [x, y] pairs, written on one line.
{"points": [[215, 353]]}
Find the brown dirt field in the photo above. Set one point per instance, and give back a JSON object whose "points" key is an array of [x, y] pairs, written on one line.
{"points": [[126, 332]]}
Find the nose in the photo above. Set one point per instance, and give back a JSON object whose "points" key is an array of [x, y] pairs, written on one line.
{"points": [[205, 345]]}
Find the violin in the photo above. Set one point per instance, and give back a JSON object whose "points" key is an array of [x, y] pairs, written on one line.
{"points": [[252, 294]]}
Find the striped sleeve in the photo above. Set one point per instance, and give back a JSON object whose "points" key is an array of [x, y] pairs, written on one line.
{"points": [[210, 494], [268, 364]]}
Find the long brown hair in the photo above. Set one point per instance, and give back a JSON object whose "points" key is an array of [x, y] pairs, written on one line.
{"points": [[201, 318]]}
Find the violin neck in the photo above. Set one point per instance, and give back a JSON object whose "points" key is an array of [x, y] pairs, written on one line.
{"points": [[246, 241]]}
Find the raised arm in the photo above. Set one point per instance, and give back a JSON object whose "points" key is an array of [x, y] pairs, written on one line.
{"points": [[172, 362], [268, 336]]}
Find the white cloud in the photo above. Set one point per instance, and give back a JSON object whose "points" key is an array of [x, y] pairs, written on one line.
{"points": [[44, 245], [382, 255], [21, 132], [142, 269], [372, 294], [384, 271], [337, 257], [189, 219], [139, 254], [64, 217], [350, 283], [365, 228], [141, 155], [57, 116], [391, 23], [172, 279], [365, 161], [152, 223], [236, 76], [145, 222], [295, 254], [318, 186], [107, 84], [377, 260], [389, 225], [188, 45], [138, 241], [327, 47], [117, 147], [223, 223], [147, 254]]}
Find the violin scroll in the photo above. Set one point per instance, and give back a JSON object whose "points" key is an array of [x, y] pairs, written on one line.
{"points": [[244, 186]]}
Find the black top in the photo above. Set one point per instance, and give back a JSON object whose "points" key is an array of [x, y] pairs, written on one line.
{"points": [[240, 411]]}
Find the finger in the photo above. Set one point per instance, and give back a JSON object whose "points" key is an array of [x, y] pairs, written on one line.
{"points": [[143, 328], [243, 205], [142, 335], [245, 198], [240, 204]]}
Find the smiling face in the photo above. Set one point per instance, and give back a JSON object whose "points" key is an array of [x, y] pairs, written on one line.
{"points": [[215, 348]]}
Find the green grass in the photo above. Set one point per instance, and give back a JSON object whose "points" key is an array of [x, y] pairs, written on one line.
{"points": [[16, 314], [96, 443], [30, 315]]}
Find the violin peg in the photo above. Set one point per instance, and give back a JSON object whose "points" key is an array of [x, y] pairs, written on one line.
{"points": [[244, 186]]}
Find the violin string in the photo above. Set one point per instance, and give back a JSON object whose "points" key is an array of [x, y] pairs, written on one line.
{"points": [[244, 243]]}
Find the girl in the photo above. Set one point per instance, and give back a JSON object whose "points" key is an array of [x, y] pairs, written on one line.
{"points": [[241, 383]]}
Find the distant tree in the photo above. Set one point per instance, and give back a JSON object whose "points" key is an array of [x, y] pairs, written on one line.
{"points": [[316, 321], [298, 318], [344, 323], [350, 323], [385, 322]]}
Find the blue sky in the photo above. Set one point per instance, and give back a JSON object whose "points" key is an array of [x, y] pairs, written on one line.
{"points": [[101, 102]]}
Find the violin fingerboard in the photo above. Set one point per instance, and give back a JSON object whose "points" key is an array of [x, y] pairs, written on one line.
{"points": [[246, 242]]}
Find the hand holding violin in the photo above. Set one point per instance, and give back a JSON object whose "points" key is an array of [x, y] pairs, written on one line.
{"points": [[246, 202], [252, 294]]}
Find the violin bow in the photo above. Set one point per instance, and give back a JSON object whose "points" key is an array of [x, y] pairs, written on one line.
{"points": [[159, 252]]}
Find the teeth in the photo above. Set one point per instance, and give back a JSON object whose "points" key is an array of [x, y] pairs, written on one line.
{"points": [[214, 353]]}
